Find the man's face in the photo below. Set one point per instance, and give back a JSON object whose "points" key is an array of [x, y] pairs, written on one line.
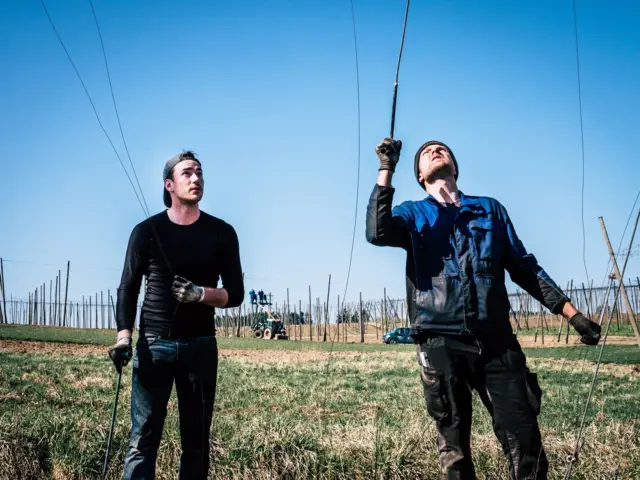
{"points": [[435, 162], [186, 184]]}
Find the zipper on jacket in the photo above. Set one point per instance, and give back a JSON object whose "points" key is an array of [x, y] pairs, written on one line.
{"points": [[465, 330]]}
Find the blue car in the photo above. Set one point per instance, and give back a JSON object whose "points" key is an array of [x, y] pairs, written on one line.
{"points": [[397, 335]]}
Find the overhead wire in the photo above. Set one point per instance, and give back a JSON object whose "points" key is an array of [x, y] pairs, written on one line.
{"points": [[115, 106], [584, 236], [355, 219], [393, 113], [95, 112], [395, 85], [86, 91]]}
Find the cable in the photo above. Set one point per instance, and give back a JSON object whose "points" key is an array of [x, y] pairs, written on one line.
{"points": [[584, 236], [162, 252], [90, 101], [355, 220], [115, 107], [395, 85]]}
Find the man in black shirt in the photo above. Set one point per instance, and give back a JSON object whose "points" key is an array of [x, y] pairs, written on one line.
{"points": [[182, 252]]}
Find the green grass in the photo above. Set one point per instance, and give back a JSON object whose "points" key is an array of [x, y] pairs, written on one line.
{"points": [[107, 337], [551, 333], [623, 354], [280, 414]]}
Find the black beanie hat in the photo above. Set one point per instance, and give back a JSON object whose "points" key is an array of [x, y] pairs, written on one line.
{"points": [[416, 161]]}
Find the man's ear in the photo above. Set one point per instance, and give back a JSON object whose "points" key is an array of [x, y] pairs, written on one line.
{"points": [[168, 184]]}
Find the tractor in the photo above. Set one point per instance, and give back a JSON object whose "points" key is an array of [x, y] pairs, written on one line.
{"points": [[269, 329], [268, 324]]}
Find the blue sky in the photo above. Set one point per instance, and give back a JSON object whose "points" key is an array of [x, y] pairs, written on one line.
{"points": [[265, 93]]}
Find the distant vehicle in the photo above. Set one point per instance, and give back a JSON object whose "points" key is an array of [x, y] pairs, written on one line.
{"points": [[270, 329], [397, 335]]}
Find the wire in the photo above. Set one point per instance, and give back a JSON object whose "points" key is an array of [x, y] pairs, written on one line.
{"points": [[355, 219], [162, 252], [584, 236], [395, 85], [115, 107], [91, 102]]}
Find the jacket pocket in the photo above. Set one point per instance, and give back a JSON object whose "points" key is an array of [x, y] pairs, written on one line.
{"points": [[438, 302], [487, 243], [493, 301]]}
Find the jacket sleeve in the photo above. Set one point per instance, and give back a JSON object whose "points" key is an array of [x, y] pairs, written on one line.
{"points": [[384, 228], [524, 270], [231, 270], [136, 263]]}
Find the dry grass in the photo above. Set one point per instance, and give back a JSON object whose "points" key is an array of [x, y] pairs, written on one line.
{"points": [[293, 413]]}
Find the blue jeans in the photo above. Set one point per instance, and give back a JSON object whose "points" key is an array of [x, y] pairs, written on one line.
{"points": [[157, 363]]}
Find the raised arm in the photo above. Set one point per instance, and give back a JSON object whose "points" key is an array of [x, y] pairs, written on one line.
{"points": [[384, 228]]}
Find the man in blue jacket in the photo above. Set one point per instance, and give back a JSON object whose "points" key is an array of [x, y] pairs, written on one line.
{"points": [[458, 248]]}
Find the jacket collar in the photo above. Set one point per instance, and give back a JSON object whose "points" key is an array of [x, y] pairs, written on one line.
{"points": [[467, 203]]}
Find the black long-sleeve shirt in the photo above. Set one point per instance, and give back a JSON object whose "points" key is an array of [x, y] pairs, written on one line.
{"points": [[201, 252]]}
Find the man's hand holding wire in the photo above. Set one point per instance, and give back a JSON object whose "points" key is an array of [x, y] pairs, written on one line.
{"points": [[186, 291], [389, 153], [589, 331], [121, 352]]}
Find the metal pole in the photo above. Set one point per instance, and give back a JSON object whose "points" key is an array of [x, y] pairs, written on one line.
{"points": [[113, 421]]}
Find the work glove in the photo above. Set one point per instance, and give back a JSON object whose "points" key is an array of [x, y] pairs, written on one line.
{"points": [[589, 331], [121, 352], [185, 291], [389, 153]]}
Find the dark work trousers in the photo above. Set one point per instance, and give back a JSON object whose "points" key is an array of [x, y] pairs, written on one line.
{"points": [[454, 366], [158, 362]]}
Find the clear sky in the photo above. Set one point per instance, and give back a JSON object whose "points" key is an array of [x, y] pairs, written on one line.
{"points": [[265, 93]]}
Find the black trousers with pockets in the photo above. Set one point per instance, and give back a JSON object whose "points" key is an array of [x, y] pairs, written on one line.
{"points": [[451, 367]]}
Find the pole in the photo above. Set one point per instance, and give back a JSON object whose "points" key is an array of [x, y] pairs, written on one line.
{"points": [[113, 421], [4, 298], [66, 292], [361, 321], [310, 329], [59, 298], [620, 278], [326, 312]]}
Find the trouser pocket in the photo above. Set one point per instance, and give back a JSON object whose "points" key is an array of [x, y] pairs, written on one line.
{"points": [[435, 391], [534, 392]]}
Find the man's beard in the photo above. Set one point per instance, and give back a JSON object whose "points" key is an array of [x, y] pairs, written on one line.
{"points": [[440, 171], [190, 201]]}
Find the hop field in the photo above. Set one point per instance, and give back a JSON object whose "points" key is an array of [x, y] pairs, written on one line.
{"points": [[296, 410]]}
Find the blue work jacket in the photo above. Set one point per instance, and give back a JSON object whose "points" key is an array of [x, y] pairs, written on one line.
{"points": [[456, 262]]}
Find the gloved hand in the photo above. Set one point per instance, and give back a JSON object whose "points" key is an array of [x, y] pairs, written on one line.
{"points": [[389, 153], [121, 352], [185, 291], [589, 331]]}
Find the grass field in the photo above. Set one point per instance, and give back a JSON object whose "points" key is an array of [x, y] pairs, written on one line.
{"points": [[299, 410]]}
